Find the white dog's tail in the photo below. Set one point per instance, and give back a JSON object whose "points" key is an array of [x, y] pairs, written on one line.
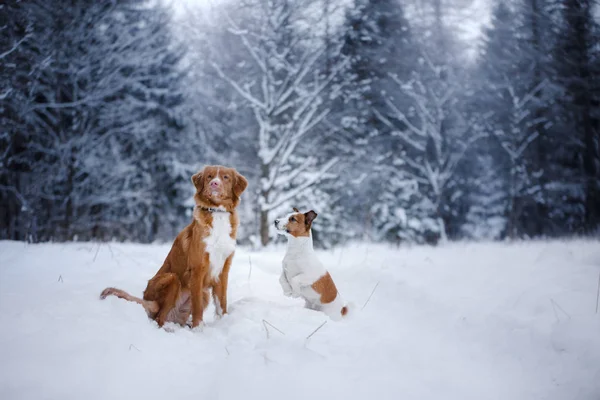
{"points": [[338, 309], [348, 310]]}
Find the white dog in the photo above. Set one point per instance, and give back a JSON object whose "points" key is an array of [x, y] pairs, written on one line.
{"points": [[303, 274]]}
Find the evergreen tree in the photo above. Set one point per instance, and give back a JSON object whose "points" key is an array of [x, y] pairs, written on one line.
{"points": [[377, 42], [97, 110], [535, 39], [20, 59], [145, 115], [515, 96], [577, 58]]}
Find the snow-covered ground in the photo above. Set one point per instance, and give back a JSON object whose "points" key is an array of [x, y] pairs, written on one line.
{"points": [[463, 321]]}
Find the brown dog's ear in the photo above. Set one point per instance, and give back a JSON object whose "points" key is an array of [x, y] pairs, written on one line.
{"points": [[309, 217], [295, 209], [240, 184], [198, 181]]}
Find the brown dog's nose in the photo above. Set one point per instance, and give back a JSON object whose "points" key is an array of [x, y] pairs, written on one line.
{"points": [[214, 184]]}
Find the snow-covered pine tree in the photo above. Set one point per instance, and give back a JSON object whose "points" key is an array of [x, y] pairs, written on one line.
{"points": [[145, 115], [513, 95], [60, 115], [221, 127], [436, 133], [488, 162], [402, 213], [377, 41], [499, 99], [576, 137], [485, 218], [434, 129], [19, 60], [336, 196], [91, 95], [535, 38]]}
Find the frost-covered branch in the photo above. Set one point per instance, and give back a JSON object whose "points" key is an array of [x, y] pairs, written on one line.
{"points": [[284, 87], [289, 195], [15, 46], [244, 93]]}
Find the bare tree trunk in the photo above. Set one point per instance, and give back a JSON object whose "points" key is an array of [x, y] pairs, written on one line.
{"points": [[13, 221], [154, 227], [264, 200], [442, 225], [68, 220], [326, 10], [540, 150], [264, 227], [511, 229]]}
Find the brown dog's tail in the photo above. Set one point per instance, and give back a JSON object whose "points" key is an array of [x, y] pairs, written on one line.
{"points": [[151, 307]]}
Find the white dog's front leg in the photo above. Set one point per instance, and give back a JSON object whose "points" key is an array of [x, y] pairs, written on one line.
{"points": [[285, 285], [299, 282]]}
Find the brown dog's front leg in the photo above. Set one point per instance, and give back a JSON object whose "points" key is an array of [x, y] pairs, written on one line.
{"points": [[197, 293], [220, 288]]}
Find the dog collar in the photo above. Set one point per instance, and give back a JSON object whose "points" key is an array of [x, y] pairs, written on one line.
{"points": [[212, 210]]}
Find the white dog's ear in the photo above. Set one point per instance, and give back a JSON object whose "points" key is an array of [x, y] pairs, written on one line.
{"points": [[295, 209], [309, 217]]}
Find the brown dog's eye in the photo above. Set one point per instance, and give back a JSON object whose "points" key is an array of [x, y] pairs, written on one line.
{"points": [[209, 176], [293, 219], [226, 177]]}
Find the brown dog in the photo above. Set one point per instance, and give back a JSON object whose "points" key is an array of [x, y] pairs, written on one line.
{"points": [[201, 255]]}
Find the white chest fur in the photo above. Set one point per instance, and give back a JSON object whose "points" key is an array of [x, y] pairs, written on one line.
{"points": [[302, 262], [219, 244]]}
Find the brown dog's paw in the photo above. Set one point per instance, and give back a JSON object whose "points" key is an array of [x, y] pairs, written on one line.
{"points": [[197, 328]]}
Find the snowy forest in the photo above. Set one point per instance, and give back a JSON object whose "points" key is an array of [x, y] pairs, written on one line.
{"points": [[381, 115]]}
